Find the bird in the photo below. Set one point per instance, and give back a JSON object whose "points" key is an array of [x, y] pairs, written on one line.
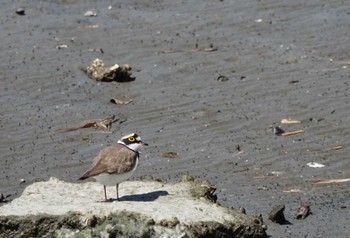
{"points": [[116, 163]]}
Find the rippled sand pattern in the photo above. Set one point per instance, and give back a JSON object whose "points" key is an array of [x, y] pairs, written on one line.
{"points": [[282, 59]]}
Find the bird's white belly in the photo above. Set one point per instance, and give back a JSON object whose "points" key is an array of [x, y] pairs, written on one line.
{"points": [[112, 179]]}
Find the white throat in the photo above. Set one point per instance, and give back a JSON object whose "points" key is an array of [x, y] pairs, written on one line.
{"points": [[135, 146]]}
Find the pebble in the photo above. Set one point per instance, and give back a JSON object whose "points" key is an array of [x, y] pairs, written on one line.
{"points": [[20, 11], [90, 14], [277, 216]]}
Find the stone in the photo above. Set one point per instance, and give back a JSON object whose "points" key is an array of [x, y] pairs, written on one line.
{"points": [[146, 209], [99, 72], [277, 215]]}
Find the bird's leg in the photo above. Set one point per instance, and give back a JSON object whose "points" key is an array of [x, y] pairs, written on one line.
{"points": [[117, 188], [104, 188]]}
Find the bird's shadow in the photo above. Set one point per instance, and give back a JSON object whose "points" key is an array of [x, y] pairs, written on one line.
{"points": [[144, 197]]}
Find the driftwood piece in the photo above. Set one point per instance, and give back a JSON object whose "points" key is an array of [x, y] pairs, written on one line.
{"points": [[329, 181], [104, 125], [280, 132]]}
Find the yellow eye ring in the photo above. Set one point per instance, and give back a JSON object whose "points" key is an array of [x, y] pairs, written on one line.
{"points": [[131, 139]]}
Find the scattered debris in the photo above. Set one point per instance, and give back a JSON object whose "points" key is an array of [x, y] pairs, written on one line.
{"points": [[172, 155], [63, 46], [291, 133], [332, 148], [242, 210], [290, 121], [303, 212], [210, 49], [90, 14], [20, 11], [293, 190], [293, 81], [92, 26], [238, 148], [329, 181], [280, 132], [240, 170], [105, 125], [276, 173], [267, 176], [277, 216], [96, 50], [22, 181], [97, 71], [258, 20], [3, 198], [315, 165], [222, 78], [262, 188], [120, 102], [337, 147]]}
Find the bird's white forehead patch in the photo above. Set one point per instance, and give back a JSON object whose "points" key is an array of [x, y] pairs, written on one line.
{"points": [[138, 138], [127, 136]]}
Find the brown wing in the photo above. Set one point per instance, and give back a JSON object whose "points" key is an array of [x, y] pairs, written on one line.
{"points": [[113, 159]]}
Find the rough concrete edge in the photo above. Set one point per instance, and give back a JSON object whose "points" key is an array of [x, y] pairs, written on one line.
{"points": [[127, 224], [118, 224]]}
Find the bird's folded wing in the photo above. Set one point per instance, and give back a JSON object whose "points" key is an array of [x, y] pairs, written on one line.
{"points": [[113, 159]]}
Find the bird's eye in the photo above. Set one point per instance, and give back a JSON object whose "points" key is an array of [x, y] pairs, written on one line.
{"points": [[131, 139]]}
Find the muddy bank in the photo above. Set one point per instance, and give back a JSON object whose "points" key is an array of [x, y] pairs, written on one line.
{"points": [[280, 59]]}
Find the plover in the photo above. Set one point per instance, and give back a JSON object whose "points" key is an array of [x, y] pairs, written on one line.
{"points": [[116, 163]]}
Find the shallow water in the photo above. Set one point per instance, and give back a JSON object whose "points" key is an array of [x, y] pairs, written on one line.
{"points": [[291, 63]]}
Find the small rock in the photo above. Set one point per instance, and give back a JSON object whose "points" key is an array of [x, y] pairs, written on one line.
{"points": [[242, 209], [90, 14], [99, 72], [277, 216], [20, 11], [22, 181], [315, 165], [63, 46], [120, 102], [278, 131], [222, 78], [303, 212], [3, 198]]}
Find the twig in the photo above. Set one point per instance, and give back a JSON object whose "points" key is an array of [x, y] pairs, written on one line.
{"points": [[329, 181], [105, 125], [210, 49]]}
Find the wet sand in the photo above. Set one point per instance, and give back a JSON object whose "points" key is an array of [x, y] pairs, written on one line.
{"points": [[282, 59]]}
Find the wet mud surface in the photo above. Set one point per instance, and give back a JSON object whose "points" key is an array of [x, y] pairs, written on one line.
{"points": [[214, 109]]}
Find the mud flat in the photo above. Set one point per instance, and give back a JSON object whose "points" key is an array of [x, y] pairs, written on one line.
{"points": [[211, 80]]}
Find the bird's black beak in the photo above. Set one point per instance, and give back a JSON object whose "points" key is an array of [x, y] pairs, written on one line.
{"points": [[143, 143]]}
